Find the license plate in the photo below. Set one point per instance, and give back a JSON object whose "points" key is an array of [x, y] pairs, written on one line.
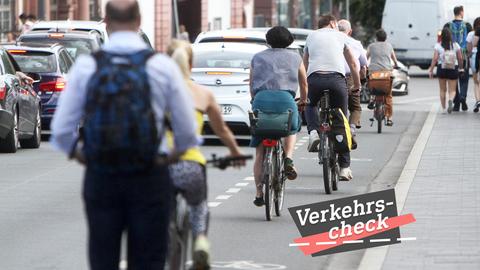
{"points": [[226, 109]]}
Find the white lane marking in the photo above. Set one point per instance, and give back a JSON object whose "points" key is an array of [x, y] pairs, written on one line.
{"points": [[244, 184], [326, 243], [299, 144], [299, 244], [223, 197], [123, 265], [373, 258], [233, 190], [305, 138], [407, 239], [379, 240], [249, 178], [302, 141], [353, 242], [214, 204], [296, 148]]}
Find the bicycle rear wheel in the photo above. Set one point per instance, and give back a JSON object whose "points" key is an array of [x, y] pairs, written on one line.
{"points": [[324, 155], [380, 116], [180, 238], [267, 183], [279, 187], [335, 170]]}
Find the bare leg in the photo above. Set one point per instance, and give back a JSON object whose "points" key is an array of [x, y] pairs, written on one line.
{"points": [[452, 89], [476, 85], [290, 145], [443, 90], [257, 169]]}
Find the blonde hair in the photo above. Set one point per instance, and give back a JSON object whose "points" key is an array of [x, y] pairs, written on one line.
{"points": [[181, 52]]}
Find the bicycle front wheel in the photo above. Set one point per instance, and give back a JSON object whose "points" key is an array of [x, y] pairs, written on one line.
{"points": [[267, 183]]}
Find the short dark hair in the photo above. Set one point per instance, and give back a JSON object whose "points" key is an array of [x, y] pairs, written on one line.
{"points": [[381, 35], [32, 17], [279, 37], [325, 20], [122, 15], [23, 16], [457, 10], [476, 24]]}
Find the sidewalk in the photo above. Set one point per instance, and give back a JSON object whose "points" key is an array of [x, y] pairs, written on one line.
{"points": [[445, 199]]}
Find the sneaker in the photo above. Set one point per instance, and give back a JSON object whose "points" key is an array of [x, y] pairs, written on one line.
{"points": [[259, 201], [444, 111], [201, 253], [290, 170], [313, 141], [456, 107], [464, 106], [371, 105], [477, 107], [345, 174], [450, 104]]}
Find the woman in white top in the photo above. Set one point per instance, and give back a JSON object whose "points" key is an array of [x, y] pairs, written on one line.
{"points": [[448, 58], [472, 41]]}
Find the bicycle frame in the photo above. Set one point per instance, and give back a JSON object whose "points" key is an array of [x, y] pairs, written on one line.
{"points": [[273, 176]]}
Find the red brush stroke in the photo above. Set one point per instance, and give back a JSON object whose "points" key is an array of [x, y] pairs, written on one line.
{"points": [[393, 222]]}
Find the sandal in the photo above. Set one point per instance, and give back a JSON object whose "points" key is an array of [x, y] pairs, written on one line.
{"points": [[389, 123], [259, 201]]}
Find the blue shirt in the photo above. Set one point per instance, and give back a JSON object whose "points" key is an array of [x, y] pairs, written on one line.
{"points": [[168, 94]]}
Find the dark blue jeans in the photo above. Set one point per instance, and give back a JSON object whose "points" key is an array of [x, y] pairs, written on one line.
{"points": [[337, 85], [138, 204], [462, 86]]}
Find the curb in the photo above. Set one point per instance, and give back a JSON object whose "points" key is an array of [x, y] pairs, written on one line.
{"points": [[373, 258]]}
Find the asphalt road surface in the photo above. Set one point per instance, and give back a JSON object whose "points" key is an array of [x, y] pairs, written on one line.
{"points": [[42, 225]]}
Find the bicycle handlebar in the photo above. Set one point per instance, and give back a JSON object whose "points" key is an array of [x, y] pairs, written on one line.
{"points": [[224, 162]]}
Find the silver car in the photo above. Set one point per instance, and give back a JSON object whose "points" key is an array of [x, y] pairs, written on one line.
{"points": [[224, 68]]}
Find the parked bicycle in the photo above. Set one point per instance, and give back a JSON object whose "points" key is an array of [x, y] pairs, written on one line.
{"points": [[326, 154], [180, 236]]}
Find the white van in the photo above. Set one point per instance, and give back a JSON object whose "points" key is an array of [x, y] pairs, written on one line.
{"points": [[413, 26]]}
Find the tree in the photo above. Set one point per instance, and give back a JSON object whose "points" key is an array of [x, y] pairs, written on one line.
{"points": [[368, 13]]}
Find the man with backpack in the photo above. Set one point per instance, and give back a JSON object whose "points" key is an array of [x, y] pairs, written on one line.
{"points": [[120, 96], [460, 30]]}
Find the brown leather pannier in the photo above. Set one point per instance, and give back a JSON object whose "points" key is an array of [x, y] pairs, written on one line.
{"points": [[380, 81]]}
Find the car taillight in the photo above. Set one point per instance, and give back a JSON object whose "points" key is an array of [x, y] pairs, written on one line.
{"points": [[53, 86], [3, 92]]}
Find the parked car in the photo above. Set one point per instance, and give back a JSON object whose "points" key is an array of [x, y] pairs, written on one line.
{"points": [[20, 121], [76, 42], [85, 26], [225, 69], [400, 80], [299, 34], [52, 62]]}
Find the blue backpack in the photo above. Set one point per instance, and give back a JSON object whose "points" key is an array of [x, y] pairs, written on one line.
{"points": [[459, 34], [119, 129]]}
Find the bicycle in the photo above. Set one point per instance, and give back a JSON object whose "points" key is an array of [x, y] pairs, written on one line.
{"points": [[180, 236], [378, 109], [273, 179], [326, 154]]}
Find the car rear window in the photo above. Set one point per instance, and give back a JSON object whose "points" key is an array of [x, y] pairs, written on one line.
{"points": [[222, 59], [37, 62], [234, 39], [75, 47]]}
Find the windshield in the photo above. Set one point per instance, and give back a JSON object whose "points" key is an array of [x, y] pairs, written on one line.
{"points": [[36, 62], [222, 59], [75, 47]]}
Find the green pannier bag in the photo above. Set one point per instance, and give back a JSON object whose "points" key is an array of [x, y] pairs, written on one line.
{"points": [[271, 124]]}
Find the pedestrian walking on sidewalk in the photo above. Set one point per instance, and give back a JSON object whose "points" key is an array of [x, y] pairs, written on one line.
{"points": [[472, 47], [447, 57], [459, 31], [381, 55], [120, 96]]}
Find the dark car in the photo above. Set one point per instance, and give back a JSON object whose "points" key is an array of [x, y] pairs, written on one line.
{"points": [[52, 62], [20, 120], [76, 42]]}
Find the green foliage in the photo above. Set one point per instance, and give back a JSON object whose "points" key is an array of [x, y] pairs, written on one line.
{"points": [[368, 13]]}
